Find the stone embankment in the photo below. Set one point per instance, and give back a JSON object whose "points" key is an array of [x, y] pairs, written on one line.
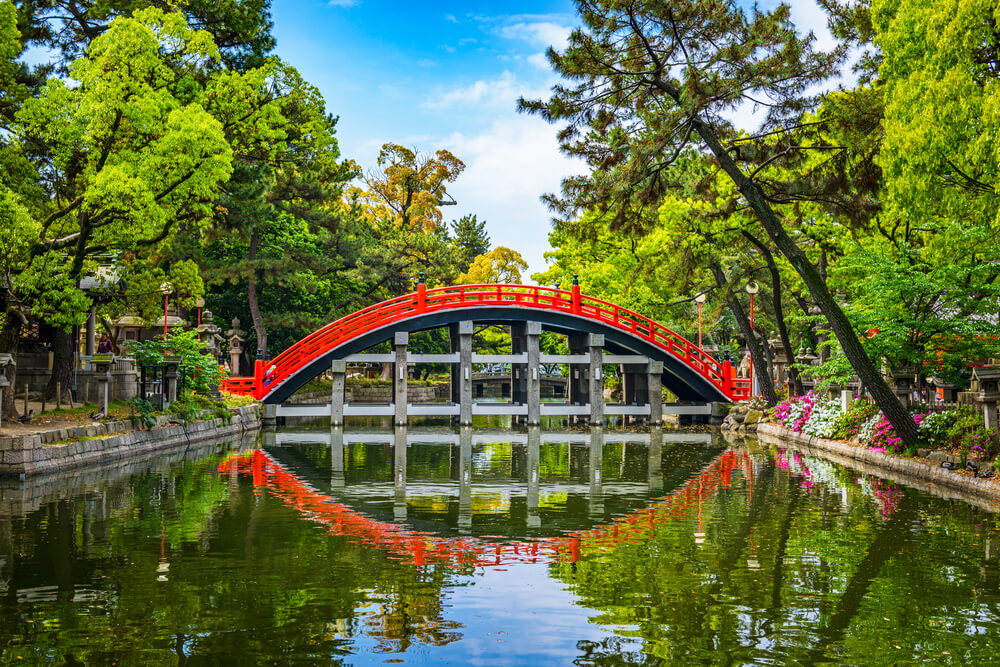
{"points": [[65, 448], [923, 473]]}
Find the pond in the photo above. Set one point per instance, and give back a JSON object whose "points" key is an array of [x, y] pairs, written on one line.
{"points": [[492, 547]]}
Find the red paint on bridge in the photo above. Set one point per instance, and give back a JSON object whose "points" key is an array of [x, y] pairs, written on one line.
{"points": [[426, 548], [270, 374]]}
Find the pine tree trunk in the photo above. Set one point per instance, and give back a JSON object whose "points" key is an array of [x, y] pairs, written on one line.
{"points": [[881, 393], [258, 320], [766, 384]]}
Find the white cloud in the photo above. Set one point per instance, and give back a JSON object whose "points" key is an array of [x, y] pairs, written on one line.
{"points": [[539, 60], [342, 3], [499, 94], [540, 33], [509, 165], [450, 18]]}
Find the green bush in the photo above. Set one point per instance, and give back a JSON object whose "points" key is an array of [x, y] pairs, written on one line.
{"points": [[968, 433], [141, 409], [198, 372], [848, 424]]}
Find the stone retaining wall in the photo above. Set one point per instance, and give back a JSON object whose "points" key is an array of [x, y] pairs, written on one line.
{"points": [[933, 479], [49, 451], [20, 497]]}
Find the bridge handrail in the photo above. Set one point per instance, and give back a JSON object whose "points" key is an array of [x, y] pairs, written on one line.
{"points": [[276, 371]]}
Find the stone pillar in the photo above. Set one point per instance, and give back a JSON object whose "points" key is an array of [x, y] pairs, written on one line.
{"points": [[654, 467], [170, 366], [461, 373], [399, 376], [399, 474], [235, 346], [846, 399], [101, 364], [270, 414], [91, 332], [596, 346], [338, 369], [534, 373], [465, 480], [654, 390], [988, 378], [596, 496], [534, 446]]}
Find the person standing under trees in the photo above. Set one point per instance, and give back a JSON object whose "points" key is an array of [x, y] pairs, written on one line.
{"points": [[104, 345]]}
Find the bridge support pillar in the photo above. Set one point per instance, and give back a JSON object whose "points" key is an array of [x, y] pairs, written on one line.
{"points": [[270, 414], [596, 345], [399, 377], [654, 392], [534, 373], [338, 368], [461, 373]]}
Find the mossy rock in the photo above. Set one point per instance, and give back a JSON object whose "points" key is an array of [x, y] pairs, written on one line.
{"points": [[753, 417]]}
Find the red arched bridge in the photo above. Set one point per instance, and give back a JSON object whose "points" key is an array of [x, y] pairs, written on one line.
{"points": [[622, 336]]}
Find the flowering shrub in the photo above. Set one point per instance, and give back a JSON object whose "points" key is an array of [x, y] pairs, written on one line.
{"points": [[849, 424], [794, 412], [934, 427], [808, 414], [823, 419], [968, 430], [883, 435]]}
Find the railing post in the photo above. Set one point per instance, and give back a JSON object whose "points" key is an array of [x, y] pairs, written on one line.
{"points": [[576, 295], [258, 378], [421, 293], [727, 378]]}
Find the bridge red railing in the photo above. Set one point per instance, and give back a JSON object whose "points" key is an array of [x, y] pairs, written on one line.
{"points": [[271, 374]]}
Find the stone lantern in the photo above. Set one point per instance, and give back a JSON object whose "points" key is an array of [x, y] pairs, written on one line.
{"points": [[236, 341], [171, 365], [208, 333], [780, 361], [102, 373], [902, 379], [989, 393]]}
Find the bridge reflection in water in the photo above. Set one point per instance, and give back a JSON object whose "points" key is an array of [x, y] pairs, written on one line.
{"points": [[618, 510]]}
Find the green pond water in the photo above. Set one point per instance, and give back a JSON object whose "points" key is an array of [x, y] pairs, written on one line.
{"points": [[492, 547]]}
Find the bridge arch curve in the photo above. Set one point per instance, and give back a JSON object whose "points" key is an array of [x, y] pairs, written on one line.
{"points": [[689, 372]]}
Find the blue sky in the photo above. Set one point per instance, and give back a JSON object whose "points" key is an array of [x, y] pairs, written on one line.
{"points": [[448, 75]]}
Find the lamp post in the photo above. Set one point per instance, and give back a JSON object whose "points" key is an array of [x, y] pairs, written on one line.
{"points": [[700, 298], [166, 288], [200, 303], [752, 289]]}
